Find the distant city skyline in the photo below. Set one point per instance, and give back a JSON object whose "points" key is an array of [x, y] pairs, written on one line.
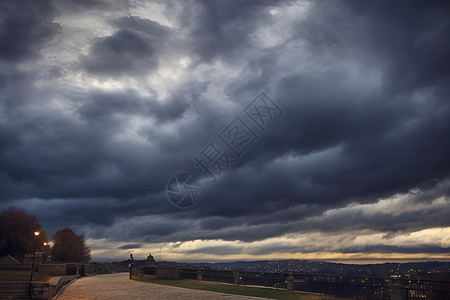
{"points": [[103, 102]]}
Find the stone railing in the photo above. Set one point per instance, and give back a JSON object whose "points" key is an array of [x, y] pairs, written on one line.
{"points": [[339, 286]]}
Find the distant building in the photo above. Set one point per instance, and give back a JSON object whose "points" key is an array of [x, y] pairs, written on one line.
{"points": [[150, 262]]}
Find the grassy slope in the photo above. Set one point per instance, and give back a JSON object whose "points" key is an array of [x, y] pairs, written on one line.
{"points": [[22, 276], [237, 290]]}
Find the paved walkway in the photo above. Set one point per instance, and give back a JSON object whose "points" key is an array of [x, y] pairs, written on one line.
{"points": [[119, 286]]}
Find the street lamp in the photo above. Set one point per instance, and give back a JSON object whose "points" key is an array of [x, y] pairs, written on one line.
{"points": [[36, 233], [45, 253]]}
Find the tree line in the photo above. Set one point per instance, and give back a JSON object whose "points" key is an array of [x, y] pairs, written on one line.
{"points": [[17, 238]]}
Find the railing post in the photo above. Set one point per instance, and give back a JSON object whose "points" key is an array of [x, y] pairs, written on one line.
{"points": [[236, 277], [290, 282], [200, 274], [398, 290]]}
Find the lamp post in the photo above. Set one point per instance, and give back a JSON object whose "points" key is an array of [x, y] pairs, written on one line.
{"points": [[36, 233], [131, 265], [44, 255]]}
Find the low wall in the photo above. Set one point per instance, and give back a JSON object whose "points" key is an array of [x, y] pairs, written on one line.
{"points": [[160, 272], [56, 283], [20, 290], [53, 269], [66, 269], [167, 273], [147, 272], [15, 268], [39, 290]]}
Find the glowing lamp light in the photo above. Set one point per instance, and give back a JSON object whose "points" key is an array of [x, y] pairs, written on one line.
{"points": [[36, 233]]}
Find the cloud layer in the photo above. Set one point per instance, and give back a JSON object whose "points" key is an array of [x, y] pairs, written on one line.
{"points": [[101, 103]]}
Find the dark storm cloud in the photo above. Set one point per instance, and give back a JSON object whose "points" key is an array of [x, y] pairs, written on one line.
{"points": [[344, 138], [396, 249], [401, 218], [218, 250], [102, 106], [133, 49], [397, 135], [267, 250], [222, 29], [130, 246], [47, 155], [414, 41], [77, 161], [387, 142], [24, 26], [82, 5], [9, 75]]}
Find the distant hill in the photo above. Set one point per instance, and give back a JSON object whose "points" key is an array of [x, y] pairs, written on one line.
{"points": [[430, 270]]}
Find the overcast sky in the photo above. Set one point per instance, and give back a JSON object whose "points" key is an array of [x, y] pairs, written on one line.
{"points": [[103, 102]]}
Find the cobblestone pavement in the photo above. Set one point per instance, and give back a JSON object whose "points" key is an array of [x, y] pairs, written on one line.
{"points": [[119, 286]]}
